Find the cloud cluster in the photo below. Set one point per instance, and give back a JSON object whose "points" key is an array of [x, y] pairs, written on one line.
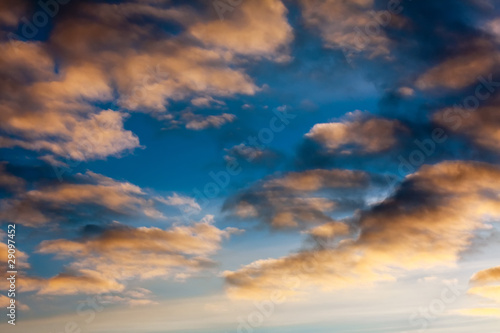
{"points": [[100, 54], [256, 28], [103, 262], [428, 222], [294, 200]]}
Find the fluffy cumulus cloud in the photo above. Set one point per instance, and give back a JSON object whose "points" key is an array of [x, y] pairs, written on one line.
{"points": [[61, 201], [486, 285], [357, 132], [428, 222], [104, 261], [296, 199]]}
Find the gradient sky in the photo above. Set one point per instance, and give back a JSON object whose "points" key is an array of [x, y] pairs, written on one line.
{"points": [[251, 165]]}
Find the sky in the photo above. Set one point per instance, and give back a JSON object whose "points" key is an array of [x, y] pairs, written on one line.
{"points": [[250, 166]]}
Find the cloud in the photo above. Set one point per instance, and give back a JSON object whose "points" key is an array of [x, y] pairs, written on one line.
{"points": [[150, 70], [479, 124], [480, 312], [49, 104], [406, 91], [352, 26], [183, 71], [11, 11], [493, 27], [81, 139], [292, 200], [314, 180], [462, 70], [5, 301], [486, 276], [330, 230], [180, 200], [133, 298], [205, 101], [248, 153], [44, 111], [21, 257], [62, 201], [428, 222], [358, 132], [199, 122], [255, 28], [485, 284], [9, 181], [104, 262], [84, 282]]}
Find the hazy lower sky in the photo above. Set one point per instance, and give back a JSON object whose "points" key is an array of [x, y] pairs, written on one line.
{"points": [[250, 166]]}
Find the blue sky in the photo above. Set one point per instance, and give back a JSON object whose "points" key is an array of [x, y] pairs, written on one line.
{"points": [[251, 166]]}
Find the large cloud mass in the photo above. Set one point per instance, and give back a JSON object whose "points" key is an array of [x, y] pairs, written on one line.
{"points": [[428, 222]]}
